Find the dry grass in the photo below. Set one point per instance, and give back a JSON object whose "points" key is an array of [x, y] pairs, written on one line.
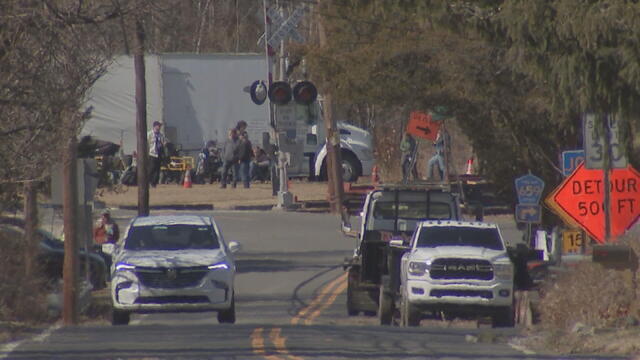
{"points": [[258, 194], [604, 301]]}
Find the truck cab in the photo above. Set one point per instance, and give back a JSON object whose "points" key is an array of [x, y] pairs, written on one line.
{"points": [[390, 212]]}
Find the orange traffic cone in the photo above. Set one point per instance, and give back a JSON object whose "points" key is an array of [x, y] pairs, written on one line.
{"points": [[469, 167], [187, 179]]}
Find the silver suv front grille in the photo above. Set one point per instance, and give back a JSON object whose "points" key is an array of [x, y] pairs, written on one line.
{"points": [[171, 278]]}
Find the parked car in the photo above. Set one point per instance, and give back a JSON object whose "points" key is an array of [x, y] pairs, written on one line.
{"points": [[172, 263], [51, 253]]}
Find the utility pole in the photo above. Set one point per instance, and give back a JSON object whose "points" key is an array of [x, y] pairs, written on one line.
{"points": [[70, 207], [30, 226], [141, 123], [334, 158], [608, 159]]}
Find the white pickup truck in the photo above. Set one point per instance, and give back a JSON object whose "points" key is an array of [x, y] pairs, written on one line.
{"points": [[456, 267]]}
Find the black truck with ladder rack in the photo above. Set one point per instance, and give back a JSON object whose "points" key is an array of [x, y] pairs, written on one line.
{"points": [[390, 211]]}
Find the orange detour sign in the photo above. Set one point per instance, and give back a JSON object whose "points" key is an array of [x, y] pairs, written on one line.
{"points": [[581, 197], [423, 126]]}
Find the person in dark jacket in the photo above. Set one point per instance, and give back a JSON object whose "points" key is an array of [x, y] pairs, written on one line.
{"points": [[230, 159], [245, 154]]}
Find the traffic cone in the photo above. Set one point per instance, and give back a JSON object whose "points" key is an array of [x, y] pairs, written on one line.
{"points": [[187, 179], [469, 167]]}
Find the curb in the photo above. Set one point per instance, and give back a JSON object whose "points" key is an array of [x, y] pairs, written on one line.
{"points": [[170, 207]]}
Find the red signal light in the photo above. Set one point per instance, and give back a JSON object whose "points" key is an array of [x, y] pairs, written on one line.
{"points": [[280, 92], [305, 93]]}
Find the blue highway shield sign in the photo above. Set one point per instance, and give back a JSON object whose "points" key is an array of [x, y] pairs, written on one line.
{"points": [[529, 189]]}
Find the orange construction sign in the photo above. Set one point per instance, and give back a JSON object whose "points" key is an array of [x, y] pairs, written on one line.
{"points": [[581, 197], [423, 126]]}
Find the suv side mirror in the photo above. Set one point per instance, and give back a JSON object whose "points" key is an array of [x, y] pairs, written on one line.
{"points": [[108, 248]]}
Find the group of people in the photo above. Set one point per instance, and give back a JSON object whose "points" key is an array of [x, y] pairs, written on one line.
{"points": [[240, 162], [408, 148]]}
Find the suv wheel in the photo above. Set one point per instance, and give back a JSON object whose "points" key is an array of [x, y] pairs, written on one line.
{"points": [[119, 317], [228, 316]]}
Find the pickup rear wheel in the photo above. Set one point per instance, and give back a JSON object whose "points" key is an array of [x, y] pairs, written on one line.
{"points": [[503, 317], [351, 309], [385, 307], [119, 317]]}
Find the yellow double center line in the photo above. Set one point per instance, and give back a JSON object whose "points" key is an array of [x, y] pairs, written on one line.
{"points": [[325, 298]]}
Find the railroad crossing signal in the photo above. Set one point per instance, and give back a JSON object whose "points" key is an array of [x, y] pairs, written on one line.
{"points": [[581, 197], [283, 28]]}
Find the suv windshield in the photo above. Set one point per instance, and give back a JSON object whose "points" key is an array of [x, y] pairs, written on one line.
{"points": [[171, 237], [435, 236]]}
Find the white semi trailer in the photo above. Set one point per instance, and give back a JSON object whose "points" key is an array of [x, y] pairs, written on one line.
{"points": [[199, 97]]}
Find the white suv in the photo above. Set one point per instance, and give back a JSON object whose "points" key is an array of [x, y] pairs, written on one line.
{"points": [[457, 267], [171, 264]]}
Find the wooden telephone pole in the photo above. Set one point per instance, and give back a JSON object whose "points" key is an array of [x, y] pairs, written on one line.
{"points": [[334, 158], [141, 123], [70, 211]]}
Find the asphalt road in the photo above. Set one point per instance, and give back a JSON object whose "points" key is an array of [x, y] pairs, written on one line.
{"points": [[290, 291]]}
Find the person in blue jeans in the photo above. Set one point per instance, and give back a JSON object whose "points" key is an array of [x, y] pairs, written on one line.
{"points": [[230, 159], [438, 158], [245, 154]]}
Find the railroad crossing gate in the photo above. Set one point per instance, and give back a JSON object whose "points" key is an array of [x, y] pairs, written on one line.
{"points": [[581, 197]]}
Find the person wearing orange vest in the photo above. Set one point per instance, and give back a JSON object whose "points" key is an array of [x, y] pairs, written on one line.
{"points": [[106, 230]]}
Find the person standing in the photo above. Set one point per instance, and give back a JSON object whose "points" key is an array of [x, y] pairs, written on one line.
{"points": [[241, 126], [106, 231], [230, 159], [156, 142], [245, 154], [409, 164], [438, 158]]}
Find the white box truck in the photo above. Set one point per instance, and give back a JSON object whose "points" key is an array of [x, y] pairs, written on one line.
{"points": [[199, 97]]}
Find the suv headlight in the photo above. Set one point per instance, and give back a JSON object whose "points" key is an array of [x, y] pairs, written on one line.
{"points": [[219, 266], [503, 271], [419, 268], [124, 267]]}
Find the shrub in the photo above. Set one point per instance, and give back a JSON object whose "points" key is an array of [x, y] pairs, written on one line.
{"points": [[592, 295], [22, 299]]}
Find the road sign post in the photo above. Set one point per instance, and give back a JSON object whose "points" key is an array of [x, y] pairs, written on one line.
{"points": [[529, 190]]}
